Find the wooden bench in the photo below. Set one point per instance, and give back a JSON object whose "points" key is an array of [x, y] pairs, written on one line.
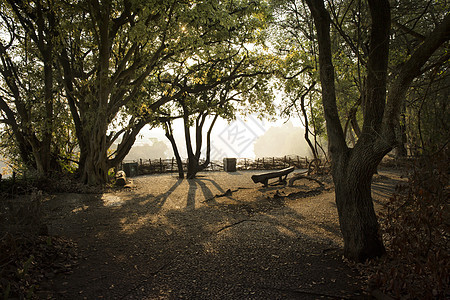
{"points": [[264, 178]]}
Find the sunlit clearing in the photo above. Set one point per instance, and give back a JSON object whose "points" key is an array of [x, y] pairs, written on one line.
{"points": [[79, 209], [112, 200], [286, 231]]}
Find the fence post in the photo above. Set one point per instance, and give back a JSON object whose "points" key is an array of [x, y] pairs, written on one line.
{"points": [[160, 165]]}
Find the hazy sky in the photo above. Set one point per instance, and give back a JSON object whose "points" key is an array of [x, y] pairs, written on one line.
{"points": [[245, 137]]}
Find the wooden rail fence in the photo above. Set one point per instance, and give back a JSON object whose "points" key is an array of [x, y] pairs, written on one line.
{"points": [[164, 165]]}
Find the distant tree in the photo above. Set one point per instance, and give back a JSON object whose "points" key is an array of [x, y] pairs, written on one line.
{"points": [[293, 42], [242, 84], [155, 149], [281, 140]]}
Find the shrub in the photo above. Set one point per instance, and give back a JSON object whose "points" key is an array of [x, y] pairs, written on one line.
{"points": [[416, 231]]}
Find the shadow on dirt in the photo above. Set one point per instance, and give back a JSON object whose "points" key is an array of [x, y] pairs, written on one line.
{"points": [[223, 248]]}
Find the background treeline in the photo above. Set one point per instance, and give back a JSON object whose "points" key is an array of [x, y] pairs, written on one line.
{"points": [[77, 77]]}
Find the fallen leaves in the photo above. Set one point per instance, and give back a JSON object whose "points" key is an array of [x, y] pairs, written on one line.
{"points": [[416, 233], [30, 262]]}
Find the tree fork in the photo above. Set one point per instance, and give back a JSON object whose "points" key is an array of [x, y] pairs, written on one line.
{"points": [[352, 169]]}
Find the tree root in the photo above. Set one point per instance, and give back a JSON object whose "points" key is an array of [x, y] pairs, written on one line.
{"points": [[231, 225], [228, 193], [297, 177]]}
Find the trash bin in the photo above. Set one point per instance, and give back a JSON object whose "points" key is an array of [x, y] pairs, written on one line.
{"points": [[229, 164], [130, 169]]}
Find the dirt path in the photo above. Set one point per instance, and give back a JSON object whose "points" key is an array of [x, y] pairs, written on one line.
{"points": [[172, 239]]}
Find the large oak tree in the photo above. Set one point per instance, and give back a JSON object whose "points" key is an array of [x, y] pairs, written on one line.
{"points": [[353, 168], [114, 48]]}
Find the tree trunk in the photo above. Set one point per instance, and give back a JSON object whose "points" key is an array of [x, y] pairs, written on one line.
{"points": [[357, 218], [169, 135], [193, 165], [44, 155], [400, 149], [352, 169], [305, 117], [95, 166]]}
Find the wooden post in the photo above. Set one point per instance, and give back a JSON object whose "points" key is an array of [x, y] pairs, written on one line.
{"points": [[160, 165], [140, 161]]}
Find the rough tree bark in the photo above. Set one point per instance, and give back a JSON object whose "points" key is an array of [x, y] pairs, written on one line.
{"points": [[94, 108], [353, 168], [169, 135]]}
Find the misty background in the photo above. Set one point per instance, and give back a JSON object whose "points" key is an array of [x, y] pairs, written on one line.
{"points": [[247, 137], [243, 138]]}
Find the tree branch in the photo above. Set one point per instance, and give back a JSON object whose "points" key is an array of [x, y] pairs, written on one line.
{"points": [[407, 73]]}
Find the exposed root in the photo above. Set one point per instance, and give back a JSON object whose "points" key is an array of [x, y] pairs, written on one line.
{"points": [[228, 193], [297, 177]]}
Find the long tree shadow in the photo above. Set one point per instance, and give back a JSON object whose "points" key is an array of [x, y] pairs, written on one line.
{"points": [[161, 199], [208, 195], [136, 250], [190, 202]]}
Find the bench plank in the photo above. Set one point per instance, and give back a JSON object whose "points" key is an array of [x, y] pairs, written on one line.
{"points": [[264, 178]]}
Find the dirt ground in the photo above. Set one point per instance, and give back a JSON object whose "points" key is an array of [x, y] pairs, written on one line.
{"points": [[219, 236]]}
